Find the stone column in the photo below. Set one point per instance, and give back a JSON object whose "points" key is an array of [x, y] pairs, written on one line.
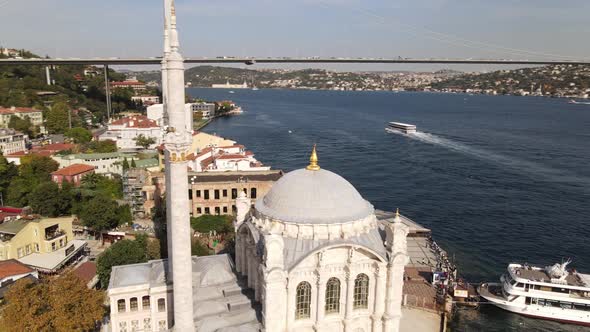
{"points": [[396, 233], [273, 281], [379, 307], [250, 267], [320, 299], [350, 276], [291, 292], [239, 256]]}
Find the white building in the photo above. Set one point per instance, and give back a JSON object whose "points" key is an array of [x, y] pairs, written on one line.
{"points": [[314, 256], [11, 141], [146, 100], [224, 158], [206, 109], [36, 116], [156, 112], [126, 130], [104, 163]]}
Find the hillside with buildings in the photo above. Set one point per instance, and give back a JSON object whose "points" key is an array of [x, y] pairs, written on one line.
{"points": [[555, 81], [209, 76]]}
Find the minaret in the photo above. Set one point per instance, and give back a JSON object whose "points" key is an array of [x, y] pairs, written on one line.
{"points": [[177, 143]]}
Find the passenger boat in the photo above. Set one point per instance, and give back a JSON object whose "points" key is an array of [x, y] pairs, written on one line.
{"points": [[552, 293], [403, 127]]}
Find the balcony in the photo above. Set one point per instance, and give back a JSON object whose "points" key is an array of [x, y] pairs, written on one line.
{"points": [[54, 235]]}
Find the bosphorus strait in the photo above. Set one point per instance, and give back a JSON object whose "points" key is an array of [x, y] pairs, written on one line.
{"points": [[498, 179]]}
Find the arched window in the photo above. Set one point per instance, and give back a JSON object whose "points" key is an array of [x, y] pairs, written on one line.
{"points": [[361, 291], [161, 305], [133, 304], [121, 305], [333, 296], [145, 302], [303, 301]]}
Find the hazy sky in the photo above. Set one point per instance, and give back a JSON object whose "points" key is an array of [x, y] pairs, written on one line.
{"points": [[510, 29]]}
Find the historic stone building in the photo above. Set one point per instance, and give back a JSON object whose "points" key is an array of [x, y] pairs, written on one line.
{"points": [[318, 259], [311, 255], [216, 193]]}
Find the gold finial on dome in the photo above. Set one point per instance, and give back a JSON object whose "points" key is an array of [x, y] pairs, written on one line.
{"points": [[313, 161], [397, 218]]}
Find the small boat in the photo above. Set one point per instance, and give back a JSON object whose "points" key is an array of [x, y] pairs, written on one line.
{"points": [[401, 127], [254, 89], [231, 91], [552, 293], [573, 101]]}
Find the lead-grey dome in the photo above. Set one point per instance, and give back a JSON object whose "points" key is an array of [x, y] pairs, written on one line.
{"points": [[314, 197]]}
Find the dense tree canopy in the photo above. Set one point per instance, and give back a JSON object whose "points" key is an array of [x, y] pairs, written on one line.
{"points": [[100, 213], [47, 199], [79, 135], [34, 170], [22, 125], [57, 118], [61, 304], [208, 222], [144, 141], [7, 172], [99, 147]]}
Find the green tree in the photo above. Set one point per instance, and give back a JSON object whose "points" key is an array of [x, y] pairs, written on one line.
{"points": [[22, 125], [48, 200], [37, 168], [124, 214], [57, 119], [79, 135], [143, 141], [121, 253], [99, 213], [98, 184], [208, 222], [125, 164], [61, 304], [133, 165], [199, 249], [19, 191], [99, 147], [7, 172]]}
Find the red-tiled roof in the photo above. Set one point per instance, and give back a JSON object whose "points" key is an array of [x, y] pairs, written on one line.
{"points": [[232, 146], [86, 271], [127, 83], [11, 110], [137, 121], [207, 161], [12, 267], [9, 209], [74, 169], [232, 156]]}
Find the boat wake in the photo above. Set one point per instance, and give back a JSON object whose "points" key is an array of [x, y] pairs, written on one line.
{"points": [[532, 169]]}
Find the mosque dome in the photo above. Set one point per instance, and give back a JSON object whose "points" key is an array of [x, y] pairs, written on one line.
{"points": [[314, 196]]}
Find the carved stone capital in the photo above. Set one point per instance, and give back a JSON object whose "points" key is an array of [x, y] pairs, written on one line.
{"points": [[178, 145]]}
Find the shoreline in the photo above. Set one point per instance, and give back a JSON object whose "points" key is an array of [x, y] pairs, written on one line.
{"points": [[412, 91]]}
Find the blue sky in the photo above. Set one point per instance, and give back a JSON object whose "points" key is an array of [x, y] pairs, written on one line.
{"points": [[526, 29]]}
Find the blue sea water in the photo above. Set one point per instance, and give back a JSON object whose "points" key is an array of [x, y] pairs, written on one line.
{"points": [[498, 179]]}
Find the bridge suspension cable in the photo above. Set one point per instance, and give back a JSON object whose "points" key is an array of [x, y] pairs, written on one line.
{"points": [[448, 38]]}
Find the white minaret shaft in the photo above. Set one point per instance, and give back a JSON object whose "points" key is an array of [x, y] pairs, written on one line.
{"points": [[164, 121], [177, 143]]}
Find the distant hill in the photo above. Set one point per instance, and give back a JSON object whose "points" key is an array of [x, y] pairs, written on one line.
{"points": [[554, 80], [205, 76]]}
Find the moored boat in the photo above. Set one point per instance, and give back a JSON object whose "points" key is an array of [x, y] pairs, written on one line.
{"points": [[552, 293]]}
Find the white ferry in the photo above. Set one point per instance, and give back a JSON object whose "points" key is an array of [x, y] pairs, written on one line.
{"points": [[552, 293], [403, 127]]}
